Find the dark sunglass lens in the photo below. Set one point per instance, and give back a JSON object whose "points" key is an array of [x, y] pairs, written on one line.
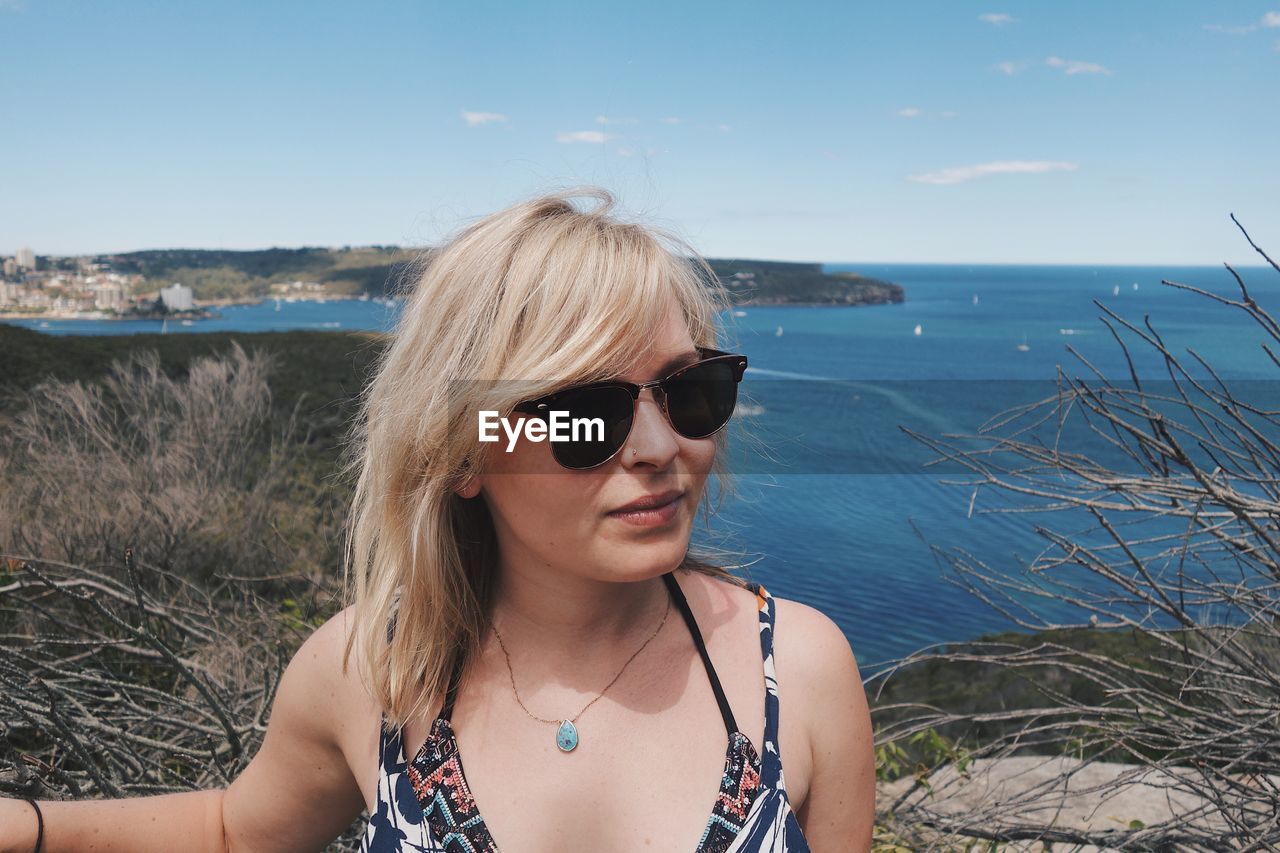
{"points": [[613, 406], [701, 400]]}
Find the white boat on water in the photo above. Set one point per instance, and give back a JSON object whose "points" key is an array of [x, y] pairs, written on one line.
{"points": [[1135, 285], [975, 299], [1024, 346], [277, 304], [1115, 291], [918, 330], [778, 333], [186, 322], [739, 313]]}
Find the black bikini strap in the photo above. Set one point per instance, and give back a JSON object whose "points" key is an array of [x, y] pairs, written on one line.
{"points": [[678, 595]]}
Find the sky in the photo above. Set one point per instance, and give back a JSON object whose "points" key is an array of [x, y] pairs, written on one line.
{"points": [[892, 132]]}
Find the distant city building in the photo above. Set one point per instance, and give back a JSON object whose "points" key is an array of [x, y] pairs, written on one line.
{"points": [[10, 267], [110, 295], [26, 258], [177, 297]]}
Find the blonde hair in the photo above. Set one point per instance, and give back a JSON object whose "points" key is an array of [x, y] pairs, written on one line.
{"points": [[539, 289]]}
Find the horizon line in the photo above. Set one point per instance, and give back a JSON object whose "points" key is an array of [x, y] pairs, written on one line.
{"points": [[950, 263]]}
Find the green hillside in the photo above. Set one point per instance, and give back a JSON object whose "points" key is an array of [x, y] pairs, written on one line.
{"points": [[383, 270]]}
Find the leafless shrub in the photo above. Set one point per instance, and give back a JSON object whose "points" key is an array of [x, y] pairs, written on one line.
{"points": [[151, 585], [184, 470], [151, 685], [1184, 553]]}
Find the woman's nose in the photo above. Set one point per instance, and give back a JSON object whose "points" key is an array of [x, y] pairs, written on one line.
{"points": [[652, 436]]}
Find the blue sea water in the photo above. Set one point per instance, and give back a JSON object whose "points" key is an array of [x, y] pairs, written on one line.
{"points": [[833, 507]]}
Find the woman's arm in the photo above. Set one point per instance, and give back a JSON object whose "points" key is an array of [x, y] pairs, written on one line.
{"points": [[189, 821], [297, 794], [838, 813]]}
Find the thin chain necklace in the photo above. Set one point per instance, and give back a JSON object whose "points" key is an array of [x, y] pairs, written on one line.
{"points": [[567, 734]]}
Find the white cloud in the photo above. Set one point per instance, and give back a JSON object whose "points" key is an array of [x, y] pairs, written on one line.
{"points": [[671, 120], [614, 120], [1269, 19], [996, 18], [585, 136], [1231, 30], [1010, 68], [1075, 66], [961, 174], [908, 112], [474, 119]]}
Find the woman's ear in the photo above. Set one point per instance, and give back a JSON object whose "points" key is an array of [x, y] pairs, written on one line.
{"points": [[470, 486]]}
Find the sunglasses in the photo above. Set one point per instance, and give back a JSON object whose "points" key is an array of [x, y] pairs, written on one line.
{"points": [[698, 400]]}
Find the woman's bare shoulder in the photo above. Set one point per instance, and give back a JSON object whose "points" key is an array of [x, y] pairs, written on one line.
{"points": [[340, 681], [815, 660], [722, 591], [809, 646]]}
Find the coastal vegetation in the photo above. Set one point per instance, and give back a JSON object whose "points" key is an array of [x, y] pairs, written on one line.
{"points": [[226, 274], [385, 270]]}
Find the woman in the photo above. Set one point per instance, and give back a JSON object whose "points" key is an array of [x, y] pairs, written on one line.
{"points": [[610, 689]]}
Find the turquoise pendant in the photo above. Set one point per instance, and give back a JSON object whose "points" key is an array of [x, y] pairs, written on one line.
{"points": [[567, 737]]}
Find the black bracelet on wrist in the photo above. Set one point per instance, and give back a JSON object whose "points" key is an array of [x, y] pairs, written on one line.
{"points": [[39, 824]]}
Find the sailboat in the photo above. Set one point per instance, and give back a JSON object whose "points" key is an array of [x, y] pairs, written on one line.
{"points": [[1135, 285], [975, 299], [277, 304], [164, 326], [778, 333], [1024, 346], [1115, 291], [917, 330]]}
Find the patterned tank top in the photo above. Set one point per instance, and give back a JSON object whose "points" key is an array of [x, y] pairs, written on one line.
{"points": [[425, 804]]}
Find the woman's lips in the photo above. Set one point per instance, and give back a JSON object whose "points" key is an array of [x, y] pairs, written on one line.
{"points": [[651, 517]]}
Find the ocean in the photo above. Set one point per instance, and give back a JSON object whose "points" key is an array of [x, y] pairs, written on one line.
{"points": [[836, 506]]}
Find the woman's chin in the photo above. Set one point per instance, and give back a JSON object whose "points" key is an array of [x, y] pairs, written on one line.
{"points": [[652, 560]]}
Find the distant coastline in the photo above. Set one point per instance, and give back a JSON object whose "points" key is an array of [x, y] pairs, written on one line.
{"points": [[200, 312], [128, 286]]}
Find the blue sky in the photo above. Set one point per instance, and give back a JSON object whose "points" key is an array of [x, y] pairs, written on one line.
{"points": [[1084, 132]]}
